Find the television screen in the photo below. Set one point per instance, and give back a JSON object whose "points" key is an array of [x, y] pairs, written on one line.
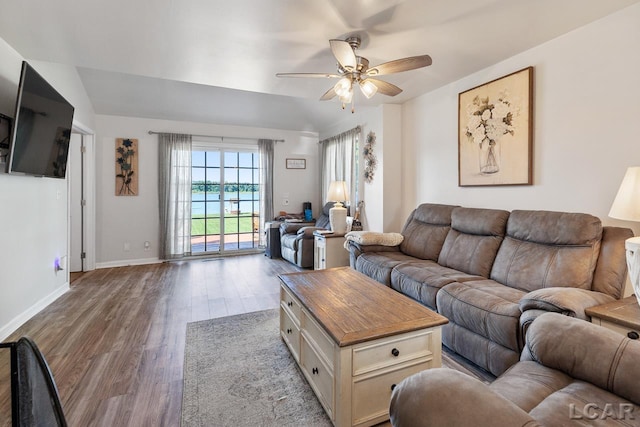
{"points": [[41, 128]]}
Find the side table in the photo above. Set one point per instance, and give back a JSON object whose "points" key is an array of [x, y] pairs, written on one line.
{"points": [[622, 316], [329, 251]]}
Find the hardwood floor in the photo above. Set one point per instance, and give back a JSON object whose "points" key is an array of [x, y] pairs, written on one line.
{"points": [[115, 341]]}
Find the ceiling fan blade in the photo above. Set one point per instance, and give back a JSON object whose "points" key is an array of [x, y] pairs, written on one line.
{"points": [[399, 65], [314, 75], [344, 54], [328, 95], [384, 87]]}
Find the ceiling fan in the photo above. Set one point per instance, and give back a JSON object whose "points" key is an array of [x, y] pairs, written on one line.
{"points": [[354, 70]]}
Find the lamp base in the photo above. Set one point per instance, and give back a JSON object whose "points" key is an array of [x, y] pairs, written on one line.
{"points": [[338, 218], [633, 263]]}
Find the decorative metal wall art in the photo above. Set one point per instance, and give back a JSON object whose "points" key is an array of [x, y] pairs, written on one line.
{"points": [[370, 160]]}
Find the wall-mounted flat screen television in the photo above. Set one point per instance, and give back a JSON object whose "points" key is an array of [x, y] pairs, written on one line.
{"points": [[41, 128]]}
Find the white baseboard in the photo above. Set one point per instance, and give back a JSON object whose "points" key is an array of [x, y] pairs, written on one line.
{"points": [[128, 262], [19, 320]]}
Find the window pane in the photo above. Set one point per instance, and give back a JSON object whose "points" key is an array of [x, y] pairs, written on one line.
{"points": [[213, 159], [213, 174], [231, 159], [197, 174], [213, 209], [245, 160], [197, 207], [197, 158], [197, 227], [231, 175], [245, 176]]}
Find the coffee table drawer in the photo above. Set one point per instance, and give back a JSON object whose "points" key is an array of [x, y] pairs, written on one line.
{"points": [[319, 375], [322, 341], [372, 393], [290, 333], [392, 351], [291, 303]]}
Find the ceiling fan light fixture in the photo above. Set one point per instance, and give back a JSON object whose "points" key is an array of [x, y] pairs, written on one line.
{"points": [[368, 88], [347, 97], [342, 87]]}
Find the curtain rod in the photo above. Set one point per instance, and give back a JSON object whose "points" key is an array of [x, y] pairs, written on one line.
{"points": [[355, 129], [151, 132]]}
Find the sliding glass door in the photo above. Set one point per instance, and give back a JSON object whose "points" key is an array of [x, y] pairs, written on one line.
{"points": [[225, 207]]}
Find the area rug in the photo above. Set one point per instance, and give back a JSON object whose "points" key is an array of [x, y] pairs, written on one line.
{"points": [[238, 372]]}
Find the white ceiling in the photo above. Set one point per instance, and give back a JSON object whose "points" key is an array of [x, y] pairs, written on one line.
{"points": [[215, 61]]}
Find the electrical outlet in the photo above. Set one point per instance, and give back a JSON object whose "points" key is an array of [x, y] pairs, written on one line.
{"points": [[147, 245], [127, 246]]}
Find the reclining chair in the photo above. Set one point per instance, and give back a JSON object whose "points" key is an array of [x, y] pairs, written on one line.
{"points": [[296, 239]]}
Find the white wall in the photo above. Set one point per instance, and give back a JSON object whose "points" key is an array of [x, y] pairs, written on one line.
{"points": [[135, 219], [33, 211], [586, 133]]}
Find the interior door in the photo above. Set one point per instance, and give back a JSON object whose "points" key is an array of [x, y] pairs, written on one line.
{"points": [[74, 175]]}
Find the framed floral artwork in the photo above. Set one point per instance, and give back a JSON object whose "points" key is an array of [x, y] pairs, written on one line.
{"points": [[126, 167], [495, 132]]}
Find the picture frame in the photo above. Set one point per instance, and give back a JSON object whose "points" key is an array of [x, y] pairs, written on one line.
{"points": [[296, 163], [495, 132]]}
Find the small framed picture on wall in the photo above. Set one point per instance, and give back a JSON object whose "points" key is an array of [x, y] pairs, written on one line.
{"points": [[296, 163]]}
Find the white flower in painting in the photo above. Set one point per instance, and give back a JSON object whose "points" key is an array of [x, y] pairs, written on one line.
{"points": [[486, 114], [478, 134], [500, 110], [495, 128], [474, 122]]}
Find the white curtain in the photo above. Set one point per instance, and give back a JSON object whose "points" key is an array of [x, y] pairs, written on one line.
{"points": [[174, 193], [265, 149], [339, 162]]}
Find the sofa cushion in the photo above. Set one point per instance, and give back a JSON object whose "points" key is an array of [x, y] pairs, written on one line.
{"points": [[425, 231], [421, 280], [548, 249], [378, 265], [484, 307], [473, 241], [528, 383]]}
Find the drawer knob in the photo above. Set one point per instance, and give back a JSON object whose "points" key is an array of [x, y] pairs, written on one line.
{"points": [[393, 386], [395, 352], [633, 335], [314, 371], [289, 330]]}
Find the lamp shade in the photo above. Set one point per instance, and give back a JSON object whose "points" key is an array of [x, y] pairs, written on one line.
{"points": [[338, 191], [626, 205]]}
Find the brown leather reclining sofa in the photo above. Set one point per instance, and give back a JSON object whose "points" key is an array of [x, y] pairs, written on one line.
{"points": [[571, 373], [492, 272]]}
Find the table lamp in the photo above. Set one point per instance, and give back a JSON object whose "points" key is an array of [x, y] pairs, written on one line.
{"points": [[338, 213], [626, 206]]}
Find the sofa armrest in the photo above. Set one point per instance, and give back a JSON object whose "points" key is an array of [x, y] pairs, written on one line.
{"points": [[307, 232], [359, 248], [293, 227], [356, 249], [568, 301], [444, 397]]}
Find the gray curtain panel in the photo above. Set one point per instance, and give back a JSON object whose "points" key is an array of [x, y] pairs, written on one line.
{"points": [[266, 149], [339, 162], [174, 194]]}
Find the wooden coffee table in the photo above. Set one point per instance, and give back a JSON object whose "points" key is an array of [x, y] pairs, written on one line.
{"points": [[355, 339]]}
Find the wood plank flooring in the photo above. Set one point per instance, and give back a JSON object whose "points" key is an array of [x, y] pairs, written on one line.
{"points": [[115, 341]]}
